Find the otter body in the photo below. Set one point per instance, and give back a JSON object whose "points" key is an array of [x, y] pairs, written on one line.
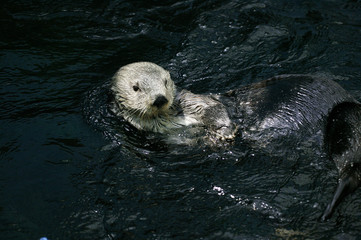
{"points": [[274, 110]]}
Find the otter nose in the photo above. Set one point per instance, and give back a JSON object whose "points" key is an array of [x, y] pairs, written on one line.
{"points": [[160, 101]]}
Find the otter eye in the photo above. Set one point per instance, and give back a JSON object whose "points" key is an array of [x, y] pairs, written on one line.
{"points": [[135, 88]]}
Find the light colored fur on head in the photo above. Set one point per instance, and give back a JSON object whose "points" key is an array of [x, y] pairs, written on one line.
{"points": [[136, 106]]}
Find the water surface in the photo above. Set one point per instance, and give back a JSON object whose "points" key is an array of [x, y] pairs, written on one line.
{"points": [[70, 170]]}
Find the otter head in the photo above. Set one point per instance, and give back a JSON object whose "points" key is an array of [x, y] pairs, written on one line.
{"points": [[143, 89]]}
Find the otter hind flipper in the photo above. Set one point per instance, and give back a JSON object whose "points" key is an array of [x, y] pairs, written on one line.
{"points": [[346, 185], [343, 143]]}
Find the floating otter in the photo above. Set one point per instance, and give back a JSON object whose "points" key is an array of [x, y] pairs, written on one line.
{"points": [[146, 97], [287, 106]]}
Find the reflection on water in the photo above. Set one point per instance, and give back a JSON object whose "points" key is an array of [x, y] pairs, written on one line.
{"points": [[71, 170]]}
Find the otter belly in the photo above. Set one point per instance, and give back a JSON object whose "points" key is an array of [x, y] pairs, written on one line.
{"points": [[284, 106]]}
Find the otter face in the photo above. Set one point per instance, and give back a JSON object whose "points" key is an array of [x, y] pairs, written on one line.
{"points": [[143, 89]]}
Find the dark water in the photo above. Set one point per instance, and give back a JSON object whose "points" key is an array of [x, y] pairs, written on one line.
{"points": [[69, 170]]}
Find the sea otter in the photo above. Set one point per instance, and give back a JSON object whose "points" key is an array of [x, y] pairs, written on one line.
{"points": [[263, 114], [146, 97]]}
